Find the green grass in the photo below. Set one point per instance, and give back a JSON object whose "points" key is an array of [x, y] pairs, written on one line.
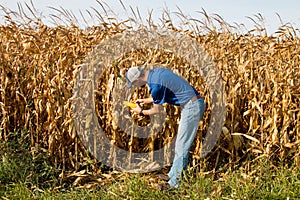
{"points": [[24, 175]]}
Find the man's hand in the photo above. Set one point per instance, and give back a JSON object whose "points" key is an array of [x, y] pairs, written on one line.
{"points": [[144, 101], [137, 109], [154, 110]]}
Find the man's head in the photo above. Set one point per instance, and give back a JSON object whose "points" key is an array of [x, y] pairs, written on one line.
{"points": [[135, 77]]}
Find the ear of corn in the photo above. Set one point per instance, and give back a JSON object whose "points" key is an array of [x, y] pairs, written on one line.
{"points": [[131, 105], [39, 64]]}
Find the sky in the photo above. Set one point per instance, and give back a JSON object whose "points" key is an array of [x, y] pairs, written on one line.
{"points": [[232, 11]]}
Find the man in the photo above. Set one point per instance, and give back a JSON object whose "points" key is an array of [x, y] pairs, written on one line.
{"points": [[167, 87]]}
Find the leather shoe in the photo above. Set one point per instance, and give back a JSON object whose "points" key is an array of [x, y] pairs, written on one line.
{"points": [[163, 177], [164, 187]]}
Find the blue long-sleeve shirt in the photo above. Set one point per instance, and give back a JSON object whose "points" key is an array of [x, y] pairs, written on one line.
{"points": [[168, 87]]}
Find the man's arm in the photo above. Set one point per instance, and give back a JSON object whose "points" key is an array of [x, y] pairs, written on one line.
{"points": [[145, 101], [154, 110]]}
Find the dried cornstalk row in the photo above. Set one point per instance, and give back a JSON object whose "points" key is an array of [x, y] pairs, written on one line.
{"points": [[38, 67], [262, 74]]}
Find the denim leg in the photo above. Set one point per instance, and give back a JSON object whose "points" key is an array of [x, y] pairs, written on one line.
{"points": [[187, 129]]}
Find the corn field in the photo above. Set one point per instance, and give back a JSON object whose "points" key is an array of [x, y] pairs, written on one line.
{"points": [[39, 64]]}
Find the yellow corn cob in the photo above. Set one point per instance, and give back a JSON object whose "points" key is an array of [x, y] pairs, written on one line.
{"points": [[131, 105]]}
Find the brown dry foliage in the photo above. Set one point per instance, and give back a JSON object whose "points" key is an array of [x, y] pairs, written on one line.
{"points": [[38, 66]]}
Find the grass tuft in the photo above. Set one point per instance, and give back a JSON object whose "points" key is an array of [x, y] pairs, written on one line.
{"points": [[24, 176]]}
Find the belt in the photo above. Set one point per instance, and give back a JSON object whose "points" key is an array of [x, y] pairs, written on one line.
{"points": [[191, 100]]}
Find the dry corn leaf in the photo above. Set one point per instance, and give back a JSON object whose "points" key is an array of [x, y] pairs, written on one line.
{"points": [[246, 136]]}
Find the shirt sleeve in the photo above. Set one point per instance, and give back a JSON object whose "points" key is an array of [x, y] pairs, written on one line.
{"points": [[158, 93]]}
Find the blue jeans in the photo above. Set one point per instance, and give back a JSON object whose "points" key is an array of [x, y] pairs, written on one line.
{"points": [[187, 129]]}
